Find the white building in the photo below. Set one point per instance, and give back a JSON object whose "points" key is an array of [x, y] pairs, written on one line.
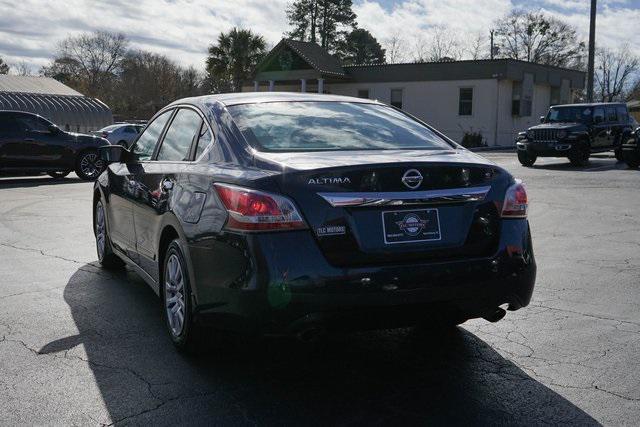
{"points": [[498, 97]]}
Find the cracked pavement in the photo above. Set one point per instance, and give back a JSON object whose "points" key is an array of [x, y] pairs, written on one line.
{"points": [[79, 345]]}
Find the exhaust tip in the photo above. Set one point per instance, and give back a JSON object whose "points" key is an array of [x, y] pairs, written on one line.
{"points": [[496, 315]]}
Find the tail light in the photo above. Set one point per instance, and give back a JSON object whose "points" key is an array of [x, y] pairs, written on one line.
{"points": [[516, 202], [252, 210]]}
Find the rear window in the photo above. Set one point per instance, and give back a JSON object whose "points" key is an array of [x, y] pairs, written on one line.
{"points": [[331, 126]]}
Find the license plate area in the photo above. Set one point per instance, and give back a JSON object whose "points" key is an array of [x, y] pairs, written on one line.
{"points": [[422, 225]]}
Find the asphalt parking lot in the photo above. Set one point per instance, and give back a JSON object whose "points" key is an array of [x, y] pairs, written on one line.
{"points": [[79, 345]]}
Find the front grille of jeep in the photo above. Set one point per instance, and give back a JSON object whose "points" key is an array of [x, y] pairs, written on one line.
{"points": [[545, 135]]}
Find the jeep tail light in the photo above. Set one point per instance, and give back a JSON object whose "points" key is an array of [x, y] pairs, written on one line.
{"points": [[516, 202], [252, 210]]}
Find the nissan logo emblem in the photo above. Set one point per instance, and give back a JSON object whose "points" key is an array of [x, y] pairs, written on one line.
{"points": [[412, 179]]}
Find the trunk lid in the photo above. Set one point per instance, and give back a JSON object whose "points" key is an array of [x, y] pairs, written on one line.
{"points": [[362, 213]]}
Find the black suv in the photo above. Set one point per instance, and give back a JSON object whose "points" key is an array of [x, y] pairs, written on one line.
{"points": [[32, 144], [575, 131]]}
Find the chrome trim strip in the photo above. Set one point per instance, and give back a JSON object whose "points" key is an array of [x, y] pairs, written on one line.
{"points": [[397, 198]]}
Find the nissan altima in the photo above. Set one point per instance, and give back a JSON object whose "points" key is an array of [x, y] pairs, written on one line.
{"points": [[284, 213]]}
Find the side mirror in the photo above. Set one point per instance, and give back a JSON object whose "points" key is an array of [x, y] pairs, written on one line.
{"points": [[113, 154], [541, 119]]}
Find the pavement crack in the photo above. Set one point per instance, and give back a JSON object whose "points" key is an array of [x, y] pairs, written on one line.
{"points": [[594, 316], [41, 252]]}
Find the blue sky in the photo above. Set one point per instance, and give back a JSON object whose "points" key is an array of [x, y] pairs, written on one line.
{"points": [[182, 29]]}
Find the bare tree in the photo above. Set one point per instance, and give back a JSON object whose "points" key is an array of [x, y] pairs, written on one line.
{"points": [[537, 37], [92, 59], [478, 48], [614, 73], [22, 68], [420, 49], [444, 45], [396, 48]]}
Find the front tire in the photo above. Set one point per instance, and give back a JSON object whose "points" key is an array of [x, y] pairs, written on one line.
{"points": [[176, 299], [580, 157], [632, 159], [106, 257], [89, 165], [526, 158]]}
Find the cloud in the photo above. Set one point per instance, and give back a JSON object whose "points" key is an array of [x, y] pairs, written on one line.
{"points": [[183, 29]]}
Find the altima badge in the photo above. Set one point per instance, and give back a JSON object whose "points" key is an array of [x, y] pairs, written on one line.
{"points": [[412, 178]]}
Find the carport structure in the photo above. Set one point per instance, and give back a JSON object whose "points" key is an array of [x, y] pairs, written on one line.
{"points": [[49, 98]]}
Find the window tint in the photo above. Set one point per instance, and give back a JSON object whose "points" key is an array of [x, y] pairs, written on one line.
{"points": [[396, 98], [569, 115], [465, 103], [611, 114], [623, 115], [177, 141], [204, 139], [8, 124], [598, 115], [145, 145], [130, 129], [30, 123], [307, 126]]}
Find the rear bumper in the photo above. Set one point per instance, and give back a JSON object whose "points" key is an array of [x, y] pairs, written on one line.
{"points": [[287, 283]]}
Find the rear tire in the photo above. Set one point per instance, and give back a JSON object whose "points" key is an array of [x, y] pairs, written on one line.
{"points": [[526, 159], [58, 174], [175, 291], [107, 259], [89, 165]]}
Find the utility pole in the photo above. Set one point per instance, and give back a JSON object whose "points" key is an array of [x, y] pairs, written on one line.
{"points": [[592, 50], [491, 32]]}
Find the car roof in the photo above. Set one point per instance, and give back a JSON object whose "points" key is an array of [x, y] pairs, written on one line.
{"points": [[19, 112], [591, 104], [228, 99]]}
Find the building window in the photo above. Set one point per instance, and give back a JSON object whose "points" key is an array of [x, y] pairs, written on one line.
{"points": [[396, 98], [363, 93], [465, 103]]}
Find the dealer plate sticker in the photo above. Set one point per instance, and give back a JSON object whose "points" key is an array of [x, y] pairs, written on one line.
{"points": [[411, 226]]}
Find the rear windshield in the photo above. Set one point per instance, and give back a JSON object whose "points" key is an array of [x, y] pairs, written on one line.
{"points": [[331, 126], [569, 115]]}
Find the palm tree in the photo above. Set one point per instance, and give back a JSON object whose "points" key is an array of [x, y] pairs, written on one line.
{"points": [[233, 59]]}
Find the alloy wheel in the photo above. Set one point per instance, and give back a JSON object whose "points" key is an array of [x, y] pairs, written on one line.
{"points": [[174, 294], [91, 165]]}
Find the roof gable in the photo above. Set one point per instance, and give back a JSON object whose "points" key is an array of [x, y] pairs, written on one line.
{"points": [[296, 55]]}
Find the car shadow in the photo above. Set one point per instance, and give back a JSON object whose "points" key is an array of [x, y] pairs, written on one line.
{"points": [[594, 165], [383, 377], [35, 181]]}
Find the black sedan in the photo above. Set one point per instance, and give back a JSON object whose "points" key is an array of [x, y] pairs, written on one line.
{"points": [[282, 213], [32, 144]]}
